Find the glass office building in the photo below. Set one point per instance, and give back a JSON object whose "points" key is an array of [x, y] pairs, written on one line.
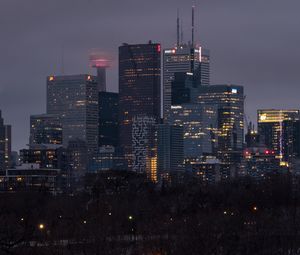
{"points": [[75, 99], [139, 87], [183, 58]]}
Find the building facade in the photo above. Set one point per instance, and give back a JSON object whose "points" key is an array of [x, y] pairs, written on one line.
{"points": [[144, 147], [74, 98], [5, 144], [45, 129], [170, 150], [229, 101], [183, 58], [139, 87], [199, 123], [280, 131], [108, 119], [157, 148]]}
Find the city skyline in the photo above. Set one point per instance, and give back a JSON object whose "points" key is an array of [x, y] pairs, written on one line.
{"points": [[244, 40]]}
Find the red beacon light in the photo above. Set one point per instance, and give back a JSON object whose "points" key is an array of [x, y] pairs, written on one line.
{"points": [[158, 48], [247, 153]]}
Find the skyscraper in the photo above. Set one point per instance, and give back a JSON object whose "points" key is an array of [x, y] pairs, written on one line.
{"points": [[157, 148], [5, 144], [199, 121], [139, 87], [144, 146], [108, 119], [199, 124], [229, 100], [7, 151], [45, 129], [184, 58], [170, 153], [280, 131], [75, 99]]}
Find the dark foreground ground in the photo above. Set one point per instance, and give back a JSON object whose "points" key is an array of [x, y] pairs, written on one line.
{"points": [[123, 214]]}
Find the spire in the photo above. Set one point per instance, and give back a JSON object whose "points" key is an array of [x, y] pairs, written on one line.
{"points": [[181, 39], [178, 28], [193, 24]]}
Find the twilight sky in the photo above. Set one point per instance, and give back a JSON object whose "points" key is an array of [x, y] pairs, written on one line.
{"points": [[253, 43]]}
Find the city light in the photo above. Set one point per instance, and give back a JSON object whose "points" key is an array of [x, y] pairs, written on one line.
{"points": [[187, 165]]}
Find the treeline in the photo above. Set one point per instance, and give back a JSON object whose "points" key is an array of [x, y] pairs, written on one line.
{"points": [[122, 213]]}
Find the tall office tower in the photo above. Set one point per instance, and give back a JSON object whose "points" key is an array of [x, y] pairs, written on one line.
{"points": [[229, 100], [45, 129], [199, 121], [7, 151], [183, 58], [199, 124], [170, 154], [144, 147], [75, 99], [5, 144], [139, 87], [157, 148], [2, 143], [108, 119], [280, 131]]}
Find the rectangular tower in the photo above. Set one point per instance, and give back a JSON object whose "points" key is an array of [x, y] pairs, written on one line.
{"points": [[75, 99], [229, 101], [169, 150], [5, 144], [183, 58], [139, 87], [108, 119], [279, 131]]}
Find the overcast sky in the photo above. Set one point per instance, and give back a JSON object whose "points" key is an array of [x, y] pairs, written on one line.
{"points": [[253, 43]]}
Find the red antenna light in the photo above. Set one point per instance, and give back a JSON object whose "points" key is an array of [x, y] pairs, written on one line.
{"points": [[158, 48]]}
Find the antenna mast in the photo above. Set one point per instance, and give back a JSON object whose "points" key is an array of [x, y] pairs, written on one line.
{"points": [[178, 28], [193, 24], [181, 32]]}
